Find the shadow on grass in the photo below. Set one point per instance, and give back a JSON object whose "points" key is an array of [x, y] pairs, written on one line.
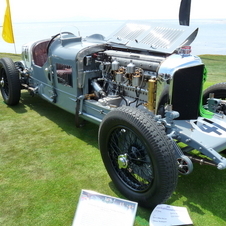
{"points": [[65, 120], [204, 189]]}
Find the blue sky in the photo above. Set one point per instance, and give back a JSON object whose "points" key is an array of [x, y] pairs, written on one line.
{"points": [[49, 10]]}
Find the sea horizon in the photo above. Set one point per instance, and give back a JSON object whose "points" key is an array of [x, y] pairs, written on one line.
{"points": [[211, 38]]}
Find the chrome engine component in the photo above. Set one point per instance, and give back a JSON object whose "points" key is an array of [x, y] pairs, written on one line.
{"points": [[126, 75], [147, 62]]}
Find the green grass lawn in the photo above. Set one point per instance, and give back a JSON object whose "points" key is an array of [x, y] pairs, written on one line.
{"points": [[216, 67], [45, 162]]}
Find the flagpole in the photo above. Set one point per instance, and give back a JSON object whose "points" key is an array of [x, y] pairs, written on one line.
{"points": [[12, 26], [15, 47]]}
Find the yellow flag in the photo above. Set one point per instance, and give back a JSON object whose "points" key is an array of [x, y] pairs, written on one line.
{"points": [[7, 31]]}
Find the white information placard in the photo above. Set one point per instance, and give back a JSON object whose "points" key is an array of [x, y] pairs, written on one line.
{"points": [[166, 215], [95, 209]]}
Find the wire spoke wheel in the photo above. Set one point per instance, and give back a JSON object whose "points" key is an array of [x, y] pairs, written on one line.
{"points": [[138, 156], [130, 160]]}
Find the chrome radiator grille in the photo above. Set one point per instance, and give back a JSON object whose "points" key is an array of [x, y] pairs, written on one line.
{"points": [[187, 91]]}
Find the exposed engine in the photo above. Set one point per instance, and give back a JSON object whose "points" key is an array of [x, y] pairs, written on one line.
{"points": [[126, 78]]}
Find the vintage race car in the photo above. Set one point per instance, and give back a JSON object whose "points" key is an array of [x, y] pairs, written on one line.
{"points": [[143, 88]]}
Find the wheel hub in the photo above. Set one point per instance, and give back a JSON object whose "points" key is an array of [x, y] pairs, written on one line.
{"points": [[123, 161], [185, 165], [2, 83]]}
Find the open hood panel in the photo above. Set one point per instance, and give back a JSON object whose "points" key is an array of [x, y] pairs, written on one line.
{"points": [[153, 37]]}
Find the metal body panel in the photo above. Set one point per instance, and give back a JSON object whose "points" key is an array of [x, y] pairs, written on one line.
{"points": [[198, 131], [206, 136], [93, 111], [153, 37]]}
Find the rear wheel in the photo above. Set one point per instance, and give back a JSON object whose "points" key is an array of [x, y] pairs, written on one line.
{"points": [[9, 82], [218, 89], [138, 156]]}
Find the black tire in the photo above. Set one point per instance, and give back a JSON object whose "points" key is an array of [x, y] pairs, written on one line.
{"points": [[131, 139], [218, 89], [9, 82]]}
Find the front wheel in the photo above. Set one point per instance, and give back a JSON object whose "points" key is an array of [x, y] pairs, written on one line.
{"points": [[138, 156], [9, 82]]}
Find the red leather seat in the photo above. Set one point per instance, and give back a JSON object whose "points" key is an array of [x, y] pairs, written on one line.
{"points": [[40, 53]]}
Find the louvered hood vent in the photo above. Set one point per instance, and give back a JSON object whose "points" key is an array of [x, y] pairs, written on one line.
{"points": [[153, 37]]}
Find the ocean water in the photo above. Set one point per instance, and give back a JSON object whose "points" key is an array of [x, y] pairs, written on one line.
{"points": [[211, 38]]}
